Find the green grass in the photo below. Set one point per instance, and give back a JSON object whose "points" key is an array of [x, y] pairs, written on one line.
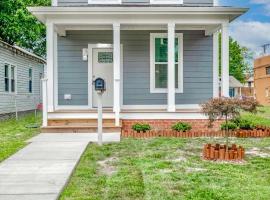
{"points": [[168, 169], [13, 134], [261, 118]]}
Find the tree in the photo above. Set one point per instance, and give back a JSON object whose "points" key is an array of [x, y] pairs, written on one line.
{"points": [[239, 56], [18, 26], [227, 109]]}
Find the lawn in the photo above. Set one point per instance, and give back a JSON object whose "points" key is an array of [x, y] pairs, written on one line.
{"points": [[167, 169], [260, 118], [13, 134]]}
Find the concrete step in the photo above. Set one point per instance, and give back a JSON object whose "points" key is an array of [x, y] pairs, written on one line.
{"points": [[79, 129]]}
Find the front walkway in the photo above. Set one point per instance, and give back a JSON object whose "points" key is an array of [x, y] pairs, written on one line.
{"points": [[41, 169]]}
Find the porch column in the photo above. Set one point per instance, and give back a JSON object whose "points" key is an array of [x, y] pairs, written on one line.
{"points": [[215, 64], [50, 63], [171, 67], [116, 70], [225, 60]]}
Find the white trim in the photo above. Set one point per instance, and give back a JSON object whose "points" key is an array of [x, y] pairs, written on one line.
{"points": [[44, 102], [50, 64], [171, 68], [166, 1], [216, 64], [104, 1], [55, 61], [90, 72], [152, 63], [149, 107], [67, 107], [225, 60], [155, 115]]}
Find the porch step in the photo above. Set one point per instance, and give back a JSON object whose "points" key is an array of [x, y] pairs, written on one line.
{"points": [[80, 126], [81, 122], [78, 129]]}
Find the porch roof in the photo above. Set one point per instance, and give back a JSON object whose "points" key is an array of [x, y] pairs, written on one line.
{"points": [[45, 13]]}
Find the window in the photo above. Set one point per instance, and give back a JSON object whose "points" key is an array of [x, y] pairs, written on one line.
{"points": [[105, 57], [30, 80], [232, 92], [6, 77], [10, 78], [159, 62], [267, 70]]}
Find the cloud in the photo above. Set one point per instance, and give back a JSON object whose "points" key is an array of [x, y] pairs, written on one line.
{"points": [[251, 34], [265, 3]]}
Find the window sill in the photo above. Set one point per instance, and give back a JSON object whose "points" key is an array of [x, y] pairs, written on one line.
{"points": [[164, 91]]}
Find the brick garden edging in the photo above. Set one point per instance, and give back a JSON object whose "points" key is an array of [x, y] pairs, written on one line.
{"points": [[190, 134], [218, 152]]}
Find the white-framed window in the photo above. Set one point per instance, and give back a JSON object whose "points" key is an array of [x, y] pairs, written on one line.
{"points": [[159, 62], [10, 78], [30, 80]]}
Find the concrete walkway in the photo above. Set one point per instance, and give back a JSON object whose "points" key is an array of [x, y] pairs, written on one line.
{"points": [[41, 169]]}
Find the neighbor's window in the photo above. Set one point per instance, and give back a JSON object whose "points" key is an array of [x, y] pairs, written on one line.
{"points": [[159, 62], [30, 80], [267, 70], [6, 77], [10, 78]]}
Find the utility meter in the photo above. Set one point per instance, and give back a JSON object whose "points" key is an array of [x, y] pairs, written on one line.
{"points": [[100, 85]]}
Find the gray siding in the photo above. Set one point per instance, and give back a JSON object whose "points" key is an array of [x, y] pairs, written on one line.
{"points": [[25, 100], [85, 2], [136, 47]]}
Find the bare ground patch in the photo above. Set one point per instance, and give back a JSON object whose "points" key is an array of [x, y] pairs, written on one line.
{"points": [[107, 166]]}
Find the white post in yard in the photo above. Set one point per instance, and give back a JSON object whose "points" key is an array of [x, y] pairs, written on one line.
{"points": [[50, 64], [216, 64], [116, 70], [99, 94], [171, 67], [225, 60], [44, 102]]}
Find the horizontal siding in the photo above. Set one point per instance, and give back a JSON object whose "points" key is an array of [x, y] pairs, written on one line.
{"points": [[25, 101], [136, 51], [85, 2]]}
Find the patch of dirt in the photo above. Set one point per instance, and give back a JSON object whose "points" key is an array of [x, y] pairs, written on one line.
{"points": [[195, 169], [107, 166], [257, 152]]}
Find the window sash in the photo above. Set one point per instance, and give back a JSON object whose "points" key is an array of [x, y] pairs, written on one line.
{"points": [[30, 82], [6, 78]]}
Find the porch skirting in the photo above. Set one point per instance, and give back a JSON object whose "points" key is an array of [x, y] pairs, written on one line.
{"points": [[166, 124]]}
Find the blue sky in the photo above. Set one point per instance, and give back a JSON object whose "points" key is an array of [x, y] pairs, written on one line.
{"points": [[253, 28]]}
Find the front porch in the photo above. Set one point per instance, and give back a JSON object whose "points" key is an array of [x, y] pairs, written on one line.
{"points": [[164, 61]]}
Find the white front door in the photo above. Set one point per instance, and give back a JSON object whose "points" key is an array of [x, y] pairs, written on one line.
{"points": [[103, 68]]}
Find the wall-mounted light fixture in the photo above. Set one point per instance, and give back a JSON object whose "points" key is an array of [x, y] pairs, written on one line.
{"points": [[84, 54]]}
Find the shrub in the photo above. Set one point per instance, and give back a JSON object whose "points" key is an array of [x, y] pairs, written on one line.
{"points": [[231, 126], [181, 126], [244, 124], [141, 127]]}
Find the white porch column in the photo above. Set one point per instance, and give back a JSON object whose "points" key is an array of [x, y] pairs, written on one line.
{"points": [[50, 63], [171, 67], [216, 64], [116, 69], [225, 60]]}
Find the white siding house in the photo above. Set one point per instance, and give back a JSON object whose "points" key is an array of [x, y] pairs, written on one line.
{"points": [[20, 79]]}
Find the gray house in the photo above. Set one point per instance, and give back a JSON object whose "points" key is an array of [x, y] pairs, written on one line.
{"points": [[20, 80], [159, 59]]}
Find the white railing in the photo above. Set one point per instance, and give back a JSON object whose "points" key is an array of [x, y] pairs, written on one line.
{"points": [[44, 102]]}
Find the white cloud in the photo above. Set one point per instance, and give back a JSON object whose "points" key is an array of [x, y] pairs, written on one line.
{"points": [[251, 34]]}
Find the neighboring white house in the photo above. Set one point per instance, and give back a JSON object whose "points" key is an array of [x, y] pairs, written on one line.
{"points": [[20, 80], [235, 87], [159, 60]]}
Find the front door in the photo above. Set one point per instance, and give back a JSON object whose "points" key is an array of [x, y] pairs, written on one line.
{"points": [[103, 68]]}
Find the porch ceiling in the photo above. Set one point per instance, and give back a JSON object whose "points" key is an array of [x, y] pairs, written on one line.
{"points": [[62, 28]]}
